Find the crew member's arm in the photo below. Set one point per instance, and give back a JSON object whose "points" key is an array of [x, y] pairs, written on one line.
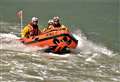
{"points": [[39, 31], [44, 29], [48, 28], [64, 28], [24, 32]]}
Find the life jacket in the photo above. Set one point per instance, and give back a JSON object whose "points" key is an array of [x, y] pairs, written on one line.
{"points": [[57, 26], [62, 27], [34, 31]]}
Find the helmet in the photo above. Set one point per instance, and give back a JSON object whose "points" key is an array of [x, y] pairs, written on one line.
{"points": [[50, 21], [34, 19], [56, 18]]}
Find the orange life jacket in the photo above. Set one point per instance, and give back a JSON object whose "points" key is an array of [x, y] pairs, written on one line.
{"points": [[34, 31]]}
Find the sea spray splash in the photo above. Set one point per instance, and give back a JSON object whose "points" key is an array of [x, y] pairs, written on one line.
{"points": [[86, 46], [9, 42]]}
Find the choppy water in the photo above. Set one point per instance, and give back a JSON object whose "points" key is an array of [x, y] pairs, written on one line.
{"points": [[96, 59], [88, 63]]}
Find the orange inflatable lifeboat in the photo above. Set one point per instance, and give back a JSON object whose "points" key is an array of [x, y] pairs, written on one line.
{"points": [[56, 40]]}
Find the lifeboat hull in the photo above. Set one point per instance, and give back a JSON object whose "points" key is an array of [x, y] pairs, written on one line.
{"points": [[55, 40]]}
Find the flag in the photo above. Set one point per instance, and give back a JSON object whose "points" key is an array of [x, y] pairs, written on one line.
{"points": [[20, 14]]}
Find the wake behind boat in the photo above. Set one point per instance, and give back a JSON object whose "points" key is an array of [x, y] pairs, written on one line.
{"points": [[56, 40]]}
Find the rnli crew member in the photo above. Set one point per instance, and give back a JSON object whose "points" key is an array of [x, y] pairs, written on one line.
{"points": [[50, 25], [31, 29], [57, 24]]}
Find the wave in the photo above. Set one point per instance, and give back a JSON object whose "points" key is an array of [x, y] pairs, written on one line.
{"points": [[9, 41], [89, 49], [85, 46], [37, 66]]}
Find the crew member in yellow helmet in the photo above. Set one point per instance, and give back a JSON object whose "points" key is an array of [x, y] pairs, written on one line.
{"points": [[31, 29], [57, 24], [49, 26]]}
